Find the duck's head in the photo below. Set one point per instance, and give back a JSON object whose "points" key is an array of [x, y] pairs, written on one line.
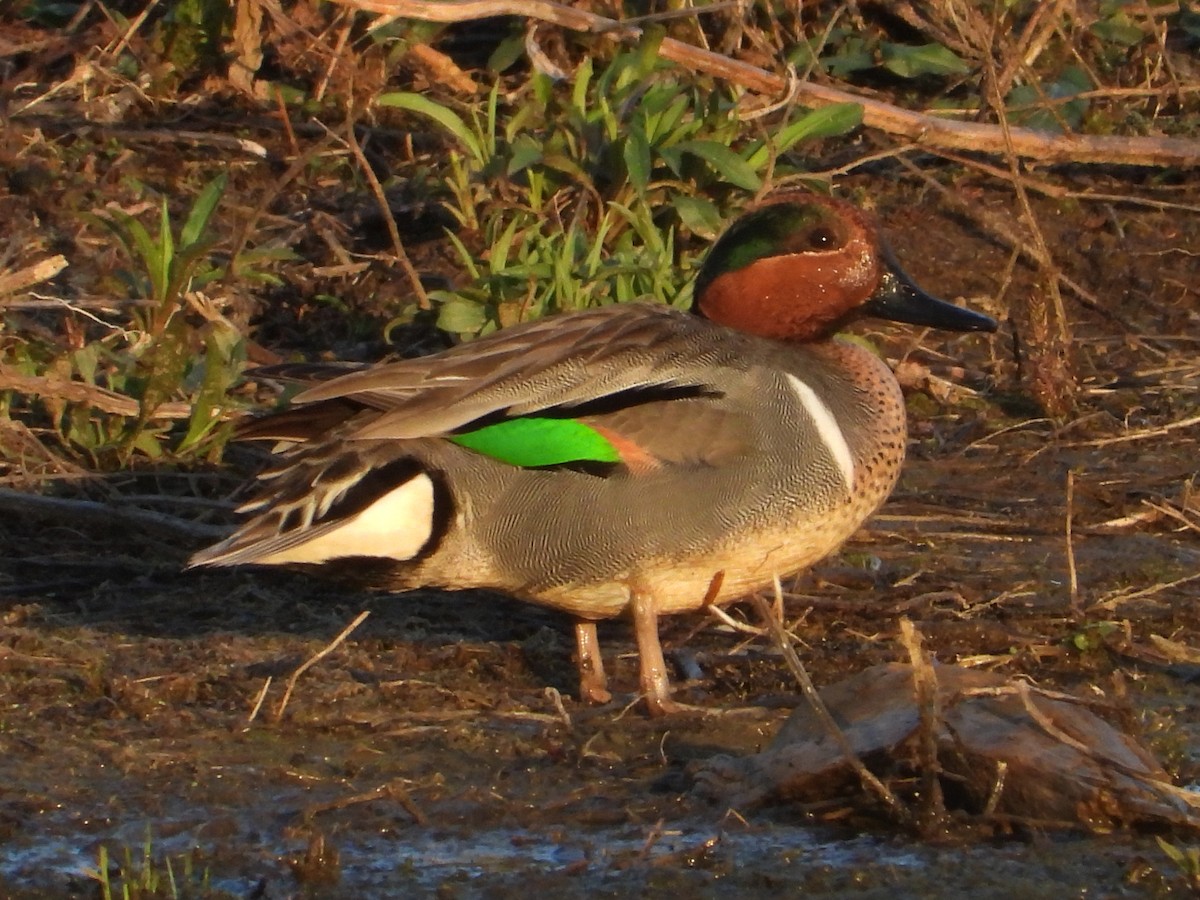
{"points": [[798, 265]]}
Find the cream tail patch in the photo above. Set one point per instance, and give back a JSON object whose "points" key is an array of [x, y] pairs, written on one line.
{"points": [[396, 526], [828, 430]]}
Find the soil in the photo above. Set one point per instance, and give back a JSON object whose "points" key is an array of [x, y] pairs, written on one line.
{"points": [[439, 748]]}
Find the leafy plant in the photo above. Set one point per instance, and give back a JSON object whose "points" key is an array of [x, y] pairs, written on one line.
{"points": [[162, 356], [1047, 104], [575, 195], [170, 266]]}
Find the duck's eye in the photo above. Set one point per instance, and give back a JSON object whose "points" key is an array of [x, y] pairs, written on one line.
{"points": [[822, 238]]}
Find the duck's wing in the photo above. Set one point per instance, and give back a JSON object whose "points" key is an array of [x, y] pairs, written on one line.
{"points": [[640, 377], [586, 364]]}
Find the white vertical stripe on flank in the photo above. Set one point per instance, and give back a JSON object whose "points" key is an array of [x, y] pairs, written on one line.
{"points": [[828, 430]]}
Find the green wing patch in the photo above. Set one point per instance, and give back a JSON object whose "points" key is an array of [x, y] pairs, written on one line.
{"points": [[532, 442]]}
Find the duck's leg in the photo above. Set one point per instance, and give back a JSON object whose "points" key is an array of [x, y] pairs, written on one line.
{"points": [[656, 687], [593, 683]]}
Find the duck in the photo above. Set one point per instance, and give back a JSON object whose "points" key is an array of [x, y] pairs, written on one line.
{"points": [[626, 460]]}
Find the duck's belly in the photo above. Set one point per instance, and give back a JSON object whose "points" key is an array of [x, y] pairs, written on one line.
{"points": [[721, 575]]}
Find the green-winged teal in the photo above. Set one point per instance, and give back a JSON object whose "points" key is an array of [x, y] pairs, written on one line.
{"points": [[628, 459]]}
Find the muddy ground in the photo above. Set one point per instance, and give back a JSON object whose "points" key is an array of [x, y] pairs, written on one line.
{"points": [[439, 748]]}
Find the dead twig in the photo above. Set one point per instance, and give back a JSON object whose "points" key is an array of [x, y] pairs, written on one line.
{"points": [[314, 659], [925, 686], [80, 392], [1141, 435], [43, 270], [258, 703], [1073, 574], [109, 514], [385, 210], [393, 790], [870, 782]]}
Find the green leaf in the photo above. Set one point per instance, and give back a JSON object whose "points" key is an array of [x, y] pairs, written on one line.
{"points": [[498, 255], [532, 442], [135, 238], [661, 123], [828, 121], [160, 275], [147, 442], [202, 210], [184, 265], [583, 78], [524, 152], [637, 158], [224, 354], [447, 118], [507, 52], [165, 363], [1071, 81], [927, 59], [854, 55], [731, 167], [699, 215], [1119, 29], [560, 162], [458, 314], [645, 54], [86, 361]]}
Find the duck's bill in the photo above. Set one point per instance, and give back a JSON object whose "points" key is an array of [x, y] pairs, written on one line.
{"points": [[900, 300]]}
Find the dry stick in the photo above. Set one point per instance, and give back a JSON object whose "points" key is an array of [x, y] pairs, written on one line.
{"points": [[1073, 576], [314, 659], [925, 686], [1171, 512], [44, 270], [334, 59], [870, 783], [1060, 397], [392, 790], [298, 165], [915, 126], [258, 703], [993, 800], [1145, 434], [1115, 600], [102, 399], [386, 211], [1040, 186], [133, 28], [195, 138], [23, 503]]}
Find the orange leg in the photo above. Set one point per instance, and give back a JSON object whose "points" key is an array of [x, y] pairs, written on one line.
{"points": [[593, 683], [656, 687]]}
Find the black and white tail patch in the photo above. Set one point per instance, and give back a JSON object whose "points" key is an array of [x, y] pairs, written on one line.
{"points": [[397, 512]]}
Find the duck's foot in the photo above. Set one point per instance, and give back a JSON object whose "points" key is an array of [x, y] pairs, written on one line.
{"points": [[593, 682], [665, 706]]}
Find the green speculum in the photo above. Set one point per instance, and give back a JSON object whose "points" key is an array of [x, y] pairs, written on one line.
{"points": [[530, 443]]}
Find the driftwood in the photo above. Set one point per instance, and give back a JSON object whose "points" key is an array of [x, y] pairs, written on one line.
{"points": [[1011, 754], [921, 129]]}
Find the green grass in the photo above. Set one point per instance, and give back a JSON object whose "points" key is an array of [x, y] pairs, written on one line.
{"points": [[141, 875]]}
